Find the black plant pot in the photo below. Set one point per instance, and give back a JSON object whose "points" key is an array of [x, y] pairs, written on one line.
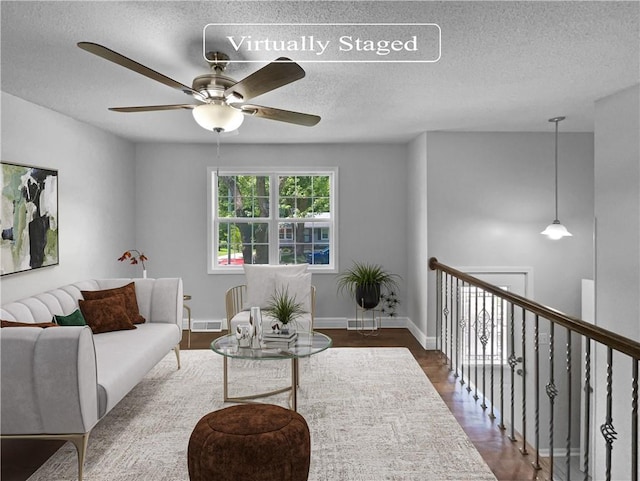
{"points": [[368, 296]]}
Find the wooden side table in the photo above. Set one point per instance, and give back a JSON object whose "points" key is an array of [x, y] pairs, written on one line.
{"points": [[186, 298]]}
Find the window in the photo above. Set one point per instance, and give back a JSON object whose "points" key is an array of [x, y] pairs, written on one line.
{"points": [[483, 337], [280, 217]]}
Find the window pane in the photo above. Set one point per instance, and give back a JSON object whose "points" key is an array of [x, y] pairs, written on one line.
{"points": [[286, 186], [243, 196], [319, 255], [321, 186], [483, 320], [304, 206], [287, 207], [243, 243]]}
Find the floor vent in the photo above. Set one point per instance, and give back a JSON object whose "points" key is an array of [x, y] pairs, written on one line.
{"points": [[203, 326], [368, 324]]}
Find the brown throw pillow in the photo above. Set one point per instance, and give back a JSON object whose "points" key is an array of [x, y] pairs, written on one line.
{"points": [[4, 323], [105, 315], [130, 299]]}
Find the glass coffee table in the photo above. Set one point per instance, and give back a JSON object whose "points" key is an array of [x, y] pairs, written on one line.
{"points": [[307, 344]]}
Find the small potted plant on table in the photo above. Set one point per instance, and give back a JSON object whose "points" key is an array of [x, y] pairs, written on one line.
{"points": [[284, 308]]}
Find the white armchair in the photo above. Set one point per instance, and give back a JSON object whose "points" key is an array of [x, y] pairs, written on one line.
{"points": [[262, 281]]}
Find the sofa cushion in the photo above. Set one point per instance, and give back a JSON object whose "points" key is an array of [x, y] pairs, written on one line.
{"points": [[105, 315], [130, 299], [4, 323], [134, 353], [298, 287], [74, 319], [261, 282]]}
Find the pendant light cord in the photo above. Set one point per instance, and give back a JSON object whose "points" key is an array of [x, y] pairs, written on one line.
{"points": [[556, 121]]}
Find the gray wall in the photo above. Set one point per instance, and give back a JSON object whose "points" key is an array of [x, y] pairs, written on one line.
{"points": [[617, 286], [491, 194], [417, 251], [171, 217], [95, 193]]}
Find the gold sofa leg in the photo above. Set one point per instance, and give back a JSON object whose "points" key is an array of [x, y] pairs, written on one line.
{"points": [[177, 351], [80, 441]]}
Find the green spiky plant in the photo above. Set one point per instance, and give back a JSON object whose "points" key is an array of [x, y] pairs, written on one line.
{"points": [[283, 307], [363, 276]]}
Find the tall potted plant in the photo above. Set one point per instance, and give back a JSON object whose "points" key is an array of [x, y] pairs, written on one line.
{"points": [[365, 283]]}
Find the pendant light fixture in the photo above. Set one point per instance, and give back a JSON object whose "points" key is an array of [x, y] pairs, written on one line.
{"points": [[556, 230]]}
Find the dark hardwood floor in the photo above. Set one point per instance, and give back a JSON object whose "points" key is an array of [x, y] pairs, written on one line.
{"points": [[20, 458]]}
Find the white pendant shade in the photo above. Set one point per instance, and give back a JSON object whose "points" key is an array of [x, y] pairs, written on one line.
{"points": [[218, 116], [556, 231]]}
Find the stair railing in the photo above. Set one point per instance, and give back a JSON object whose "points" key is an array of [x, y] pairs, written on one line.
{"points": [[479, 329]]}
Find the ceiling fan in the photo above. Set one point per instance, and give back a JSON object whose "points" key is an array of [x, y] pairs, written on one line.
{"points": [[221, 107]]}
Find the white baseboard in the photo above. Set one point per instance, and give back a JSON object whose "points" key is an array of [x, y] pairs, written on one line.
{"points": [[428, 343], [559, 452]]}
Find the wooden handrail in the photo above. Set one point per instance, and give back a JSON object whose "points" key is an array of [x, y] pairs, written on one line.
{"points": [[603, 336]]}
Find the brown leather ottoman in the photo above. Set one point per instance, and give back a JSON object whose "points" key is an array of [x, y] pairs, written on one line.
{"points": [[250, 442]]}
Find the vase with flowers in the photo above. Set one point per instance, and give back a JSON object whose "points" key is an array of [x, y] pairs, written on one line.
{"points": [[134, 256]]}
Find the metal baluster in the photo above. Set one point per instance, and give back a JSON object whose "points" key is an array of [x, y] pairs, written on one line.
{"points": [[471, 290], [463, 326], [536, 377], [475, 352], [587, 409], [438, 310], [451, 307], [493, 322], [552, 392], [524, 450], [634, 421], [446, 317], [512, 364], [484, 340], [457, 352], [607, 429], [500, 363], [568, 447]]}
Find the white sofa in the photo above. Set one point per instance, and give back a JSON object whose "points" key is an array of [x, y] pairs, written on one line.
{"points": [[57, 383]]}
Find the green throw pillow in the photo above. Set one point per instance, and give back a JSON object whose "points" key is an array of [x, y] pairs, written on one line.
{"points": [[74, 319]]}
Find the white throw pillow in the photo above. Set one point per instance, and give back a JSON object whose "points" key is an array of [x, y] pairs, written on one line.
{"points": [[260, 280], [298, 286]]}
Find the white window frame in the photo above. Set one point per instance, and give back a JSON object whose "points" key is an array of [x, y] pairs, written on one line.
{"points": [[272, 220]]}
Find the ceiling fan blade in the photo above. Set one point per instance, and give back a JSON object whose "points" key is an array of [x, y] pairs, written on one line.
{"points": [[270, 77], [270, 113], [152, 108], [126, 62]]}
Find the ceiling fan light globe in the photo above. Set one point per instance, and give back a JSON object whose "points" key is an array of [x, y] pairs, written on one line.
{"points": [[556, 231], [217, 116]]}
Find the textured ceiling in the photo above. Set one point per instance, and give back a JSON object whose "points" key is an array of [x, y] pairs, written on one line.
{"points": [[505, 66]]}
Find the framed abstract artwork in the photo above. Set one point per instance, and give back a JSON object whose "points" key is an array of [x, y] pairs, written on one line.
{"points": [[28, 218]]}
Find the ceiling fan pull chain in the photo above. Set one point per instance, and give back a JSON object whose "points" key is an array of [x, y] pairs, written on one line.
{"points": [[218, 150]]}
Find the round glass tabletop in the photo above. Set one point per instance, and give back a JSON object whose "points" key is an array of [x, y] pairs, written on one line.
{"points": [[306, 344]]}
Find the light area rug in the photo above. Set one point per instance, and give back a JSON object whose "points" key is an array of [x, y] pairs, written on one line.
{"points": [[372, 412]]}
